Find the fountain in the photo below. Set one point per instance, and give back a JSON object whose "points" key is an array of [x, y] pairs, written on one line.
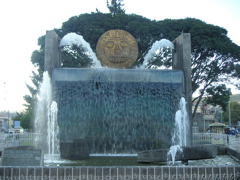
{"points": [[179, 137], [180, 149], [116, 110], [163, 43], [74, 39], [104, 110], [53, 130], [46, 124], [113, 111], [109, 111]]}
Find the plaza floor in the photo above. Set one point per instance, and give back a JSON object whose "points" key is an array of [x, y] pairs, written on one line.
{"points": [[234, 143]]}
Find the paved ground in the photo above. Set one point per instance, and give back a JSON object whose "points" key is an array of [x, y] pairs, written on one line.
{"points": [[234, 143]]}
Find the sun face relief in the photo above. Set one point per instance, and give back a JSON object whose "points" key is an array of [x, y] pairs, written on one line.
{"points": [[117, 49]]}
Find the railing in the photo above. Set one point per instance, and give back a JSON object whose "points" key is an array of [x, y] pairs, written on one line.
{"points": [[209, 138], [27, 139], [13, 140], [124, 172]]}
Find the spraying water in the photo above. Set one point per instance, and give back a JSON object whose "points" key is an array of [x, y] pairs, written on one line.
{"points": [[53, 130], [180, 134], [74, 39], [157, 45], [43, 103], [46, 118]]}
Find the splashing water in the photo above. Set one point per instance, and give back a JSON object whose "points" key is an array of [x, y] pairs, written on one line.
{"points": [[74, 39], [53, 130], [173, 152], [180, 134], [157, 45], [181, 125], [41, 114], [46, 118]]}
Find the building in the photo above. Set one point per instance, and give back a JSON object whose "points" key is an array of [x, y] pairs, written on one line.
{"points": [[17, 127], [5, 122], [206, 114]]}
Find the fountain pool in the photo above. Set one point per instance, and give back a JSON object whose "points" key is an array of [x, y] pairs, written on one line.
{"points": [[221, 160]]}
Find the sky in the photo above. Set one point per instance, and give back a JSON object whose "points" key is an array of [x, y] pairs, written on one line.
{"points": [[24, 21]]}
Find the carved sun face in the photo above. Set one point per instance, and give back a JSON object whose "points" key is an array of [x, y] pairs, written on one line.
{"points": [[117, 51]]}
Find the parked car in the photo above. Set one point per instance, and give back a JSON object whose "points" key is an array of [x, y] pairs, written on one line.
{"points": [[233, 131]]}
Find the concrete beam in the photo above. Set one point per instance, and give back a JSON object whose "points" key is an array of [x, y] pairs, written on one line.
{"points": [[52, 52], [182, 61]]}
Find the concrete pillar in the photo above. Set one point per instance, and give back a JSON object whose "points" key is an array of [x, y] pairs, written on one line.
{"points": [[182, 61], [52, 52]]}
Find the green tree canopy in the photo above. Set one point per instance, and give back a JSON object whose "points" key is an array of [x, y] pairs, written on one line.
{"points": [[234, 113], [219, 95], [25, 118], [115, 7]]}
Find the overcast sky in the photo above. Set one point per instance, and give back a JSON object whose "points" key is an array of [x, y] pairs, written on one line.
{"points": [[24, 21]]}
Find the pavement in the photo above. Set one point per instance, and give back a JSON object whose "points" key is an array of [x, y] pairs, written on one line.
{"points": [[234, 146], [234, 142]]}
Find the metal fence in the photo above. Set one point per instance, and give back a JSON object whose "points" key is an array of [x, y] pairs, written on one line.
{"points": [[122, 173], [27, 139], [209, 138], [13, 140]]}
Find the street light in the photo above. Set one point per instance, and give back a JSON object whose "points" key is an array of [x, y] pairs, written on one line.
{"points": [[229, 113]]}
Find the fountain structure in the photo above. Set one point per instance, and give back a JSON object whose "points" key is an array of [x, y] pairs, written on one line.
{"points": [[105, 110], [118, 110]]}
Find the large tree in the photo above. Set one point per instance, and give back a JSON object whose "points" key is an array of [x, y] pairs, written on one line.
{"points": [[115, 7], [219, 95], [25, 118], [215, 58], [234, 113]]}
